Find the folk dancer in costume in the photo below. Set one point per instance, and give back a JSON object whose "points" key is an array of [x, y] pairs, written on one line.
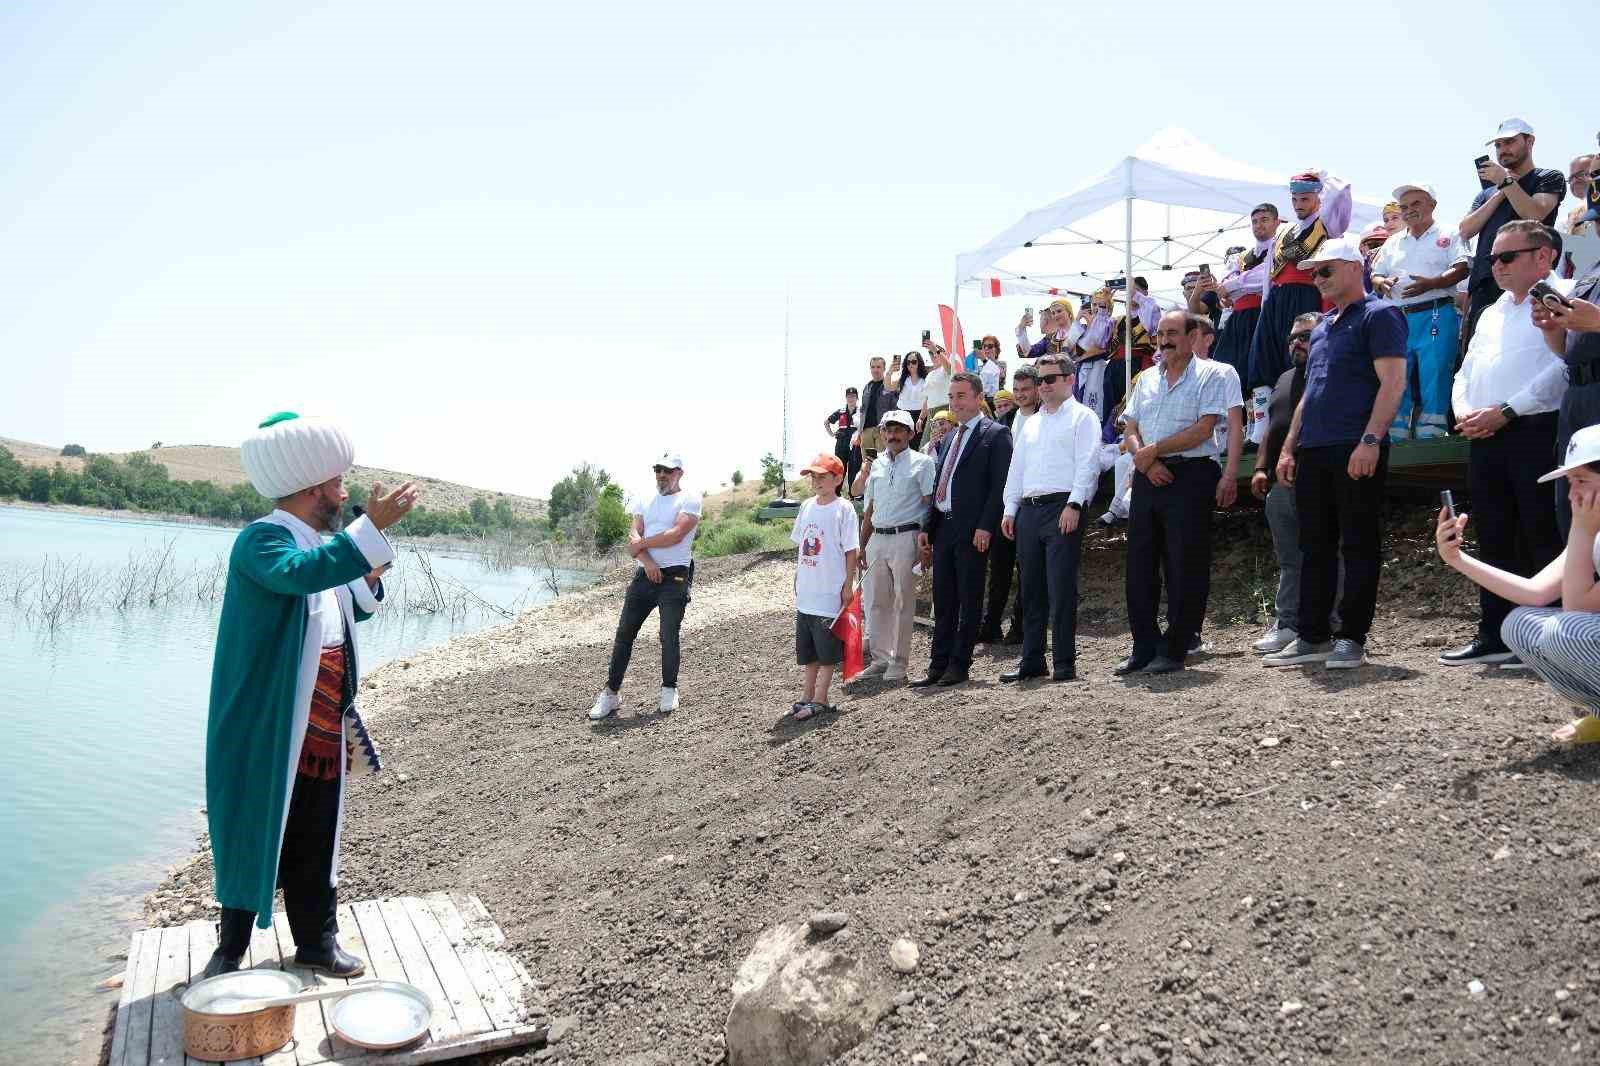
{"points": [[1289, 291], [1055, 322], [283, 733], [1242, 288]]}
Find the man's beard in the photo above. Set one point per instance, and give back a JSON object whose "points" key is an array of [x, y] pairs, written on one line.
{"points": [[332, 515]]}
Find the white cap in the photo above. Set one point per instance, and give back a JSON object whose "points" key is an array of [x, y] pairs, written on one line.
{"points": [[1582, 449], [1425, 189], [899, 418], [1335, 250], [670, 459], [1510, 128]]}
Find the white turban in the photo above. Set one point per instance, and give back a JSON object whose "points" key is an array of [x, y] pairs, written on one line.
{"points": [[289, 453]]}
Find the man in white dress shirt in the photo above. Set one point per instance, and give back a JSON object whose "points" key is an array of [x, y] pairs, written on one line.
{"points": [[1418, 270], [1053, 474], [899, 489], [1505, 398]]}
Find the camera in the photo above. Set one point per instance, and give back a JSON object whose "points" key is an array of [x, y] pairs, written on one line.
{"points": [[1546, 294]]}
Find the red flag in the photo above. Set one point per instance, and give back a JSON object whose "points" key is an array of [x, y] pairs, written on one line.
{"points": [[954, 342], [847, 627]]}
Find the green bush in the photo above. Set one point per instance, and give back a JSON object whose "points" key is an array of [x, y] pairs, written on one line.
{"points": [[739, 535], [738, 478], [610, 518], [771, 472]]}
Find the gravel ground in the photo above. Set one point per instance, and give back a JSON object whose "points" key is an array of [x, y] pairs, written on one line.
{"points": [[1227, 865]]}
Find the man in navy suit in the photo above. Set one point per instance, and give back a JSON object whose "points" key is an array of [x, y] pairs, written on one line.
{"points": [[971, 463]]}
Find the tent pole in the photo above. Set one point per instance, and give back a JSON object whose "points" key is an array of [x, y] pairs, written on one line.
{"points": [[1127, 293], [955, 314]]}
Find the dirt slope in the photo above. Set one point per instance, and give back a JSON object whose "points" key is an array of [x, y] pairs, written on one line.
{"points": [[1229, 865], [207, 462]]}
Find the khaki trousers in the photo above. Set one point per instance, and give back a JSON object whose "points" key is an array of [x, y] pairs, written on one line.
{"points": [[893, 596]]}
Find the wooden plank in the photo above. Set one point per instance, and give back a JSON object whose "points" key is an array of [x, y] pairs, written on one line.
{"points": [[513, 979], [264, 955], [419, 969], [142, 1008], [458, 987], [443, 1050], [383, 961], [202, 942], [310, 1033], [498, 1005], [130, 974], [166, 1017]]}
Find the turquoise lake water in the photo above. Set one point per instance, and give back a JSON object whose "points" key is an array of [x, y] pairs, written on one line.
{"points": [[102, 771]]}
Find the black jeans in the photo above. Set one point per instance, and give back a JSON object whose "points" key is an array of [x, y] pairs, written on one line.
{"points": [[1049, 593], [1340, 518], [1002, 563], [671, 598], [958, 573], [1169, 532], [1511, 511], [305, 868]]}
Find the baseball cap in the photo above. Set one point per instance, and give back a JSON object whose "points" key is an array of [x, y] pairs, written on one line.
{"points": [[669, 459], [825, 464], [1422, 187], [1377, 231], [1510, 128], [899, 418], [1582, 449], [1335, 250]]}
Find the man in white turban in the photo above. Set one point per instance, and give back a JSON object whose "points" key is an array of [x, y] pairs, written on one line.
{"points": [[283, 733]]}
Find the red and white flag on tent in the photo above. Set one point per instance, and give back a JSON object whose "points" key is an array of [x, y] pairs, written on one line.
{"points": [[847, 627], [954, 342], [996, 287]]}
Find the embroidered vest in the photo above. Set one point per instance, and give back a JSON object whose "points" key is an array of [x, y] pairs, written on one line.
{"points": [[1289, 250]]}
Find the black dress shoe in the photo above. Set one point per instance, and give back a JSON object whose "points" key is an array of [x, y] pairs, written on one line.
{"points": [[1477, 653], [953, 677], [1065, 673], [989, 636], [1132, 665], [1162, 665], [1020, 673], [333, 961], [1013, 636], [220, 964], [929, 681]]}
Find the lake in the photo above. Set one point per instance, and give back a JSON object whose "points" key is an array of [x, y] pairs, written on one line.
{"points": [[107, 626]]}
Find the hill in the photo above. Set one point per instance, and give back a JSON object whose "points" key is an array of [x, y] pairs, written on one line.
{"points": [[220, 465], [1227, 865]]}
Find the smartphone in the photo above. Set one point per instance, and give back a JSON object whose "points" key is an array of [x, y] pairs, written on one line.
{"points": [[1027, 312], [1447, 500], [1117, 284], [927, 335], [1478, 164], [1546, 294], [1205, 268]]}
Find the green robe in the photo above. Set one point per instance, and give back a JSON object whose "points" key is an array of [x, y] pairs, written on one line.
{"points": [[252, 743]]}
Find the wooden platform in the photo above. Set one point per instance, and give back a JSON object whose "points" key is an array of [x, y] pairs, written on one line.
{"points": [[444, 943]]}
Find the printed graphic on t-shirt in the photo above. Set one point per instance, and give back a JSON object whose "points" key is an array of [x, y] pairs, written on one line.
{"points": [[810, 545]]}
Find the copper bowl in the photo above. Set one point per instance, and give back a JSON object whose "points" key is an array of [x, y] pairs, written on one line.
{"points": [[215, 1031]]}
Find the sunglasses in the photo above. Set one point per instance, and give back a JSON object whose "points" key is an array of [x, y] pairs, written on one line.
{"points": [[661, 469], [1299, 337], [991, 347], [1050, 379], [1324, 273], [1507, 258]]}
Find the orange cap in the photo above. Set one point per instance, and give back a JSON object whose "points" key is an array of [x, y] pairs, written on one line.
{"points": [[825, 464]]}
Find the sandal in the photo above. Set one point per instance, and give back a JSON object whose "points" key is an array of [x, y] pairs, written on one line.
{"points": [[1585, 730], [794, 709], [802, 711]]}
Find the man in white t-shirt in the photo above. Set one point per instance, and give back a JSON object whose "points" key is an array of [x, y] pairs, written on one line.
{"points": [[662, 539]]}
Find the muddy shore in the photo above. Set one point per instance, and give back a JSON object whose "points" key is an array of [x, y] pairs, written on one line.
{"points": [[1227, 865]]}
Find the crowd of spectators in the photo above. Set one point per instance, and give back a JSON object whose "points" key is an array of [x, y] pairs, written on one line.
{"points": [[1316, 349]]}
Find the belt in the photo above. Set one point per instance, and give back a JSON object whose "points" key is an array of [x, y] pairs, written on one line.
{"points": [[889, 531], [1173, 460], [1584, 373], [1046, 499], [1430, 305], [677, 571]]}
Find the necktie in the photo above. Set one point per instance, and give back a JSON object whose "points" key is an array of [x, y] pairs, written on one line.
{"points": [[949, 467]]}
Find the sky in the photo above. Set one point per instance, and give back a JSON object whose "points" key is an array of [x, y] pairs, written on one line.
{"points": [[496, 240]]}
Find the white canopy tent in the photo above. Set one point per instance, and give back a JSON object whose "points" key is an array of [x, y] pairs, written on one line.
{"points": [[1171, 206]]}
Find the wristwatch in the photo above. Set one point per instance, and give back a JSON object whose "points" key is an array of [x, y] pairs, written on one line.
{"points": [[1370, 440], [1075, 505], [1508, 412], [1509, 181]]}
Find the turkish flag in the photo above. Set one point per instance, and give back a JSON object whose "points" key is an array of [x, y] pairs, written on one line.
{"points": [[847, 627], [954, 342]]}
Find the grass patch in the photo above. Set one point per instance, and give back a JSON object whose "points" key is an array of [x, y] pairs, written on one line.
{"points": [[734, 536]]}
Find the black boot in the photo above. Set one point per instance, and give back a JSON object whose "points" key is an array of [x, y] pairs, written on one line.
{"points": [[330, 959], [220, 964]]}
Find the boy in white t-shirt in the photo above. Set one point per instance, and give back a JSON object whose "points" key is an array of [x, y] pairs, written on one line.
{"points": [[824, 581]]}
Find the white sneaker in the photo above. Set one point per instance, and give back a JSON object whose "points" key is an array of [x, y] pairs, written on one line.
{"points": [[669, 700], [1274, 639], [894, 674], [605, 705]]}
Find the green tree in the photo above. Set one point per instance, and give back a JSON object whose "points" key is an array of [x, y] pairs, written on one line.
{"points": [[503, 516], [771, 472], [74, 451], [479, 509], [13, 475], [610, 518], [577, 493], [38, 485], [738, 478]]}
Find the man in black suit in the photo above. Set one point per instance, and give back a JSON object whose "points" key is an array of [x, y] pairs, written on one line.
{"points": [[972, 461]]}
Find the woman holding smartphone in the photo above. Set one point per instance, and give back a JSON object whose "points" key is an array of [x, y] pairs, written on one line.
{"points": [[911, 382], [1562, 644]]}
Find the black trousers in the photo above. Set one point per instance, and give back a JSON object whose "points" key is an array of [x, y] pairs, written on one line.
{"points": [[1511, 511], [851, 460], [1002, 564], [958, 573], [1340, 518], [671, 598], [1169, 532], [305, 868], [1049, 592], [1580, 408]]}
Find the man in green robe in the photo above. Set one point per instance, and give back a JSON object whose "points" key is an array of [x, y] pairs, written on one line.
{"points": [[283, 733]]}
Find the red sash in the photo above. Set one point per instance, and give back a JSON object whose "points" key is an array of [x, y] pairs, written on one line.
{"points": [[1247, 303]]}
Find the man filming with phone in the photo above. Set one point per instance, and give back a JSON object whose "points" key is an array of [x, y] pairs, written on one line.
{"points": [[1505, 399]]}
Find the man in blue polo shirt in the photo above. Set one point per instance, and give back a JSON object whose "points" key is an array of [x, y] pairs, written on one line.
{"points": [[1336, 457]]}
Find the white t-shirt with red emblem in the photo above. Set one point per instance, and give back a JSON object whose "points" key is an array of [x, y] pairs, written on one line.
{"points": [[1405, 257], [824, 532]]}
